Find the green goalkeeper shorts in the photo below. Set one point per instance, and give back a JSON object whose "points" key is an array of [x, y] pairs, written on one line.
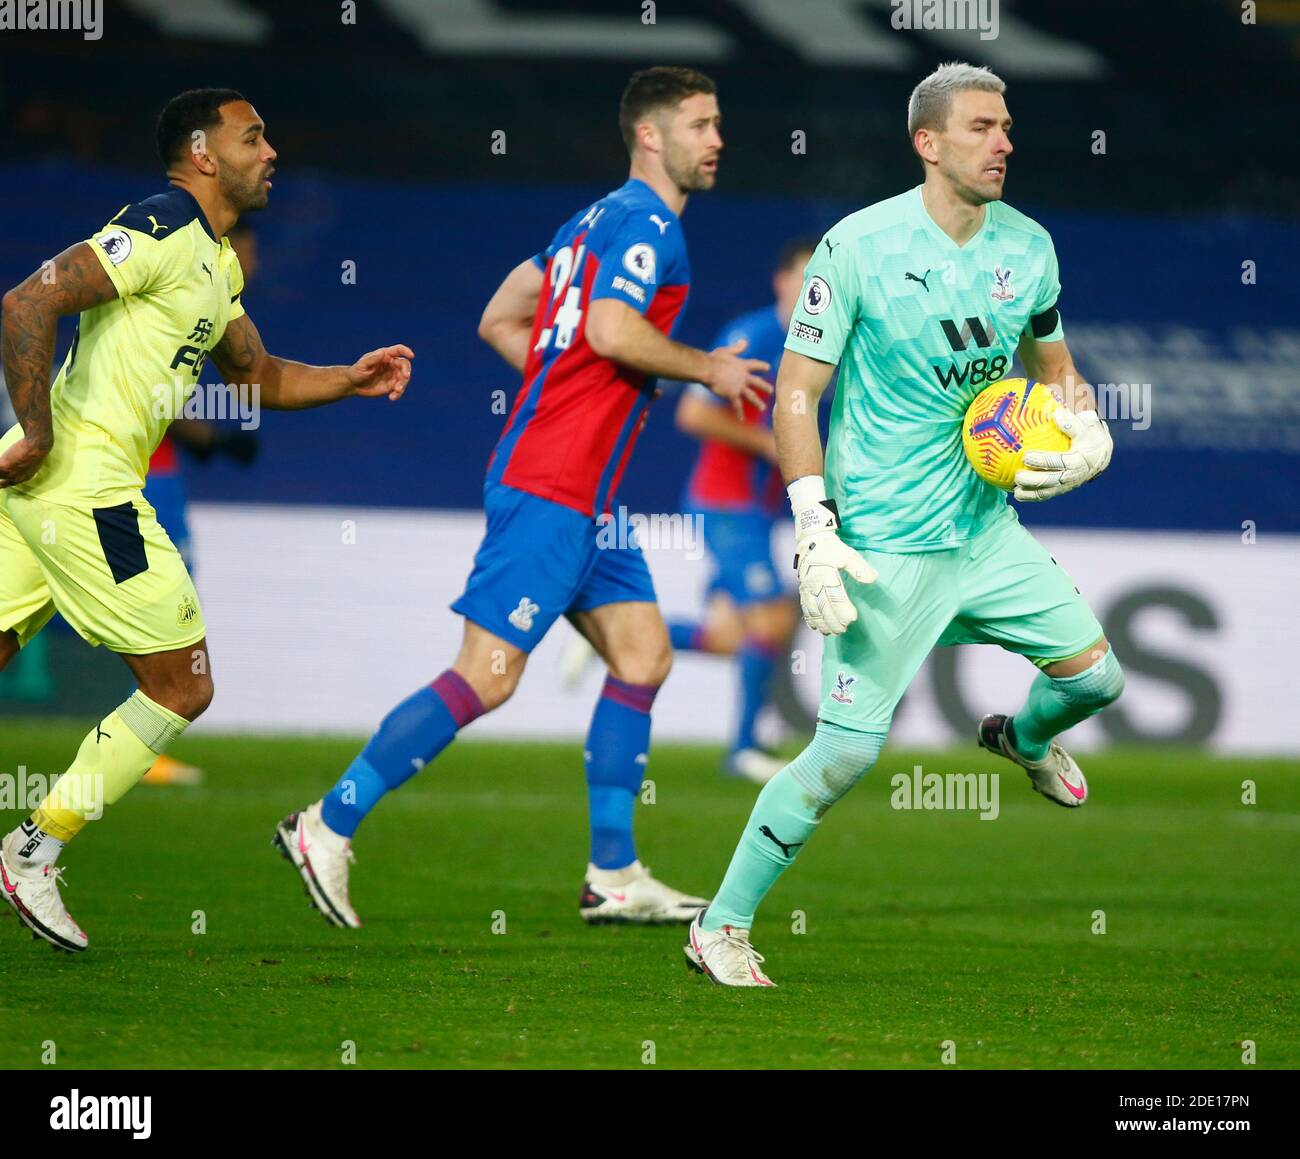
{"points": [[1000, 587]]}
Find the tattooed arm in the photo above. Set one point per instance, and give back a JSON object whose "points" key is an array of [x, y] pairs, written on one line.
{"points": [[286, 385], [27, 334]]}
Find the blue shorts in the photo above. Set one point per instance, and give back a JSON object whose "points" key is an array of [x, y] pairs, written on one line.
{"points": [[741, 547], [539, 561]]}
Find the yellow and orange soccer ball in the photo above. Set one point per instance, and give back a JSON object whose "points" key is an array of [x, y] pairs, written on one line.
{"points": [[1006, 420]]}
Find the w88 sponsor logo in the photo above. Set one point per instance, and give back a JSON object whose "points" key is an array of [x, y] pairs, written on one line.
{"points": [[975, 373]]}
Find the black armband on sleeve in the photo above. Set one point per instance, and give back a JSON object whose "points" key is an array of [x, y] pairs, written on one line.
{"points": [[1044, 323]]}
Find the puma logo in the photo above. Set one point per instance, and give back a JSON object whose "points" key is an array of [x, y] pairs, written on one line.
{"points": [[156, 227], [785, 848], [921, 279], [99, 732]]}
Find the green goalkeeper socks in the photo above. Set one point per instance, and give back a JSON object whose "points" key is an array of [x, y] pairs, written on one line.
{"points": [[787, 811], [1056, 703]]}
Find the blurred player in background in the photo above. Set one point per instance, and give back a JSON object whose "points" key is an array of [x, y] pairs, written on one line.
{"points": [[587, 322], [165, 490], [894, 294], [156, 293], [735, 489]]}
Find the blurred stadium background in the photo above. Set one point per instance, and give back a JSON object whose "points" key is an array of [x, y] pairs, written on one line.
{"points": [[435, 143]]}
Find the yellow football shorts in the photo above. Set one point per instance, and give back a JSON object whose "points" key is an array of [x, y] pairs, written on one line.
{"points": [[112, 573]]}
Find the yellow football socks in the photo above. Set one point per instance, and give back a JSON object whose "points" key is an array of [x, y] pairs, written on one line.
{"points": [[116, 753]]}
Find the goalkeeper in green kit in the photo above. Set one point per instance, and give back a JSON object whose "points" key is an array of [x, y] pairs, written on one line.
{"points": [[921, 301]]}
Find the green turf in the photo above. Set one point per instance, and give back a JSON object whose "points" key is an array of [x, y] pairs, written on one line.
{"points": [[921, 927]]}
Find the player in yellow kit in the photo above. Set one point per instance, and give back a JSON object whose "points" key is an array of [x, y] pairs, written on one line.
{"points": [[157, 291]]}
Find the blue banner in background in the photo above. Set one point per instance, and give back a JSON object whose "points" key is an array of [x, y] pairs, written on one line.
{"points": [[1196, 348]]}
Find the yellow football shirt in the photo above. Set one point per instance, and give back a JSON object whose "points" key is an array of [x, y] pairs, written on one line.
{"points": [[135, 359]]}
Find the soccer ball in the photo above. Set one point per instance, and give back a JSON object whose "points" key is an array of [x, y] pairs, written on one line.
{"points": [[1006, 420]]}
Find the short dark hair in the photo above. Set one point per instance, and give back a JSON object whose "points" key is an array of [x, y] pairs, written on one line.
{"points": [[663, 86], [805, 244], [186, 113]]}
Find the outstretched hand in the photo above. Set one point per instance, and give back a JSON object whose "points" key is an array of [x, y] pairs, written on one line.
{"points": [[739, 380], [385, 371]]}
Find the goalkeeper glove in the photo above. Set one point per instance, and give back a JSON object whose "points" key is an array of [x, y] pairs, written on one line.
{"points": [[1054, 473], [820, 556]]}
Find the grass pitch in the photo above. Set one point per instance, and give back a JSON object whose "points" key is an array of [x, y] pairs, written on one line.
{"points": [[919, 928]]}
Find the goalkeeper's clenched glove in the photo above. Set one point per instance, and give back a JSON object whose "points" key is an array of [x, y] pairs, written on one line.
{"points": [[1053, 473], [820, 556]]}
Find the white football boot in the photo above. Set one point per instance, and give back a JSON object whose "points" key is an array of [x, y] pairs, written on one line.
{"points": [[724, 956], [322, 858], [1057, 776], [631, 895], [754, 765], [33, 891], [577, 657]]}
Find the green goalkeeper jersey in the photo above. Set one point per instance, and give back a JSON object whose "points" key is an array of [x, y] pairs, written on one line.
{"points": [[918, 326]]}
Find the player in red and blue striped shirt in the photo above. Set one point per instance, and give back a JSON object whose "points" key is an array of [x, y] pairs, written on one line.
{"points": [[736, 492], [588, 323]]}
